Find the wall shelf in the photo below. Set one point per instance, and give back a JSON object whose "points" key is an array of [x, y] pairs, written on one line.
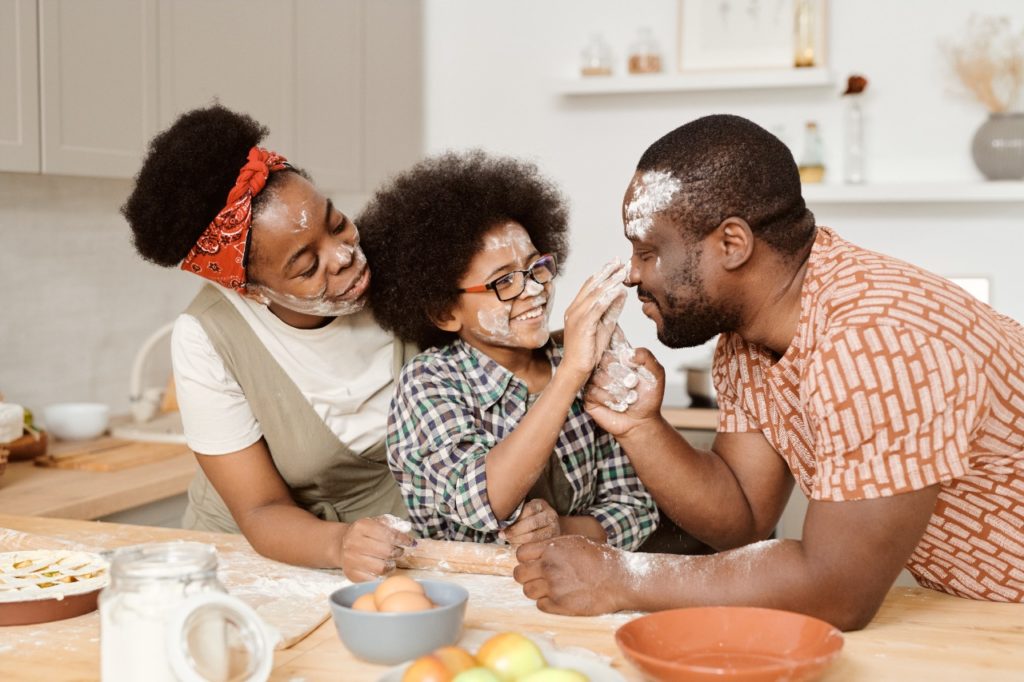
{"points": [[1008, 191], [696, 81]]}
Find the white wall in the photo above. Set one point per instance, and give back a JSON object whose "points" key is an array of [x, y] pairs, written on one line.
{"points": [[75, 299], [491, 69]]}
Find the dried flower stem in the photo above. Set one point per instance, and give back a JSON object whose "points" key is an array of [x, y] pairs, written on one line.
{"points": [[989, 63]]}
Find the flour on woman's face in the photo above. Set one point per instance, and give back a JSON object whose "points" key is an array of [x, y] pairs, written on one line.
{"points": [[653, 192], [308, 266]]}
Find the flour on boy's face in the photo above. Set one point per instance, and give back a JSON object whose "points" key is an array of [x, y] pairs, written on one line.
{"points": [[521, 322]]}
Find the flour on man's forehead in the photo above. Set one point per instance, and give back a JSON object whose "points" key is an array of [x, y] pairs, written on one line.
{"points": [[654, 191]]}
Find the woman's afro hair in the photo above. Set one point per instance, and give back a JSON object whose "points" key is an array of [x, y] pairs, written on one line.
{"points": [[185, 179], [421, 231]]}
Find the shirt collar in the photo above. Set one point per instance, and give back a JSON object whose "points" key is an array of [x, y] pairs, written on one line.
{"points": [[488, 380]]}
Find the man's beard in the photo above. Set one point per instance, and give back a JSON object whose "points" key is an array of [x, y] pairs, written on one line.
{"points": [[697, 321]]}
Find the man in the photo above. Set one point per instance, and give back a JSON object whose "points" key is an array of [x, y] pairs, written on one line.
{"points": [[889, 395]]}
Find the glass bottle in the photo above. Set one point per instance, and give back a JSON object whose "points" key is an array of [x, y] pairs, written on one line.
{"points": [[644, 54], [812, 160], [853, 157], [596, 58], [156, 588], [805, 20]]}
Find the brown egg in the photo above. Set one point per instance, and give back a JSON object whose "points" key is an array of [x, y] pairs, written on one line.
{"points": [[406, 601], [396, 583], [365, 603]]}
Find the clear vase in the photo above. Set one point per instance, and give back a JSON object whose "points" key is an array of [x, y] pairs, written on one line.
{"points": [[998, 146], [853, 152]]}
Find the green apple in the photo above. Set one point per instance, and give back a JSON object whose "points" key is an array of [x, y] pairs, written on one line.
{"points": [[554, 675], [476, 675], [511, 656]]}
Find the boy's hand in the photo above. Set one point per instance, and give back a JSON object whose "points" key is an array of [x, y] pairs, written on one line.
{"points": [[590, 319], [538, 521]]}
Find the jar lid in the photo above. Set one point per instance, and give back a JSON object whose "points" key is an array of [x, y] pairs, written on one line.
{"points": [[215, 636], [163, 560]]}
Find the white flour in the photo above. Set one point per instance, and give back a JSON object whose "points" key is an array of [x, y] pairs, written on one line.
{"points": [[652, 193]]}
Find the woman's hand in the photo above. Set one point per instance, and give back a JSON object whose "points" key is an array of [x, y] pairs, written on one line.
{"points": [[591, 318], [369, 548], [538, 521]]}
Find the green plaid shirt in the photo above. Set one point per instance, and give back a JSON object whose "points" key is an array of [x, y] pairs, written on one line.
{"points": [[452, 405]]}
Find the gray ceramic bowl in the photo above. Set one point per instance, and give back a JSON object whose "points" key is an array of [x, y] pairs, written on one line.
{"points": [[391, 638]]}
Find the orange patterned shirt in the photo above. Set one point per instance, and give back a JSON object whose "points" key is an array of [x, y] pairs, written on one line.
{"points": [[897, 380]]}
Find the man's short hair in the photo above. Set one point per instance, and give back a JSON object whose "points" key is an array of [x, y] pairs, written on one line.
{"points": [[732, 167]]}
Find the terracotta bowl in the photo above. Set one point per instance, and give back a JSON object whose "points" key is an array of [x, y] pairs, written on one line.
{"points": [[729, 643]]}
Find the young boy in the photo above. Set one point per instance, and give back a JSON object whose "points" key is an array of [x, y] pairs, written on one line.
{"points": [[487, 435]]}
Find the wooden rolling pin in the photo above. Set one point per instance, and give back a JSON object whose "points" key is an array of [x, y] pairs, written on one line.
{"points": [[459, 557]]}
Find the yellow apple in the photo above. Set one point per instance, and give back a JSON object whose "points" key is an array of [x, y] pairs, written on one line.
{"points": [[477, 675], [427, 669], [440, 666], [455, 658], [554, 675], [511, 656]]}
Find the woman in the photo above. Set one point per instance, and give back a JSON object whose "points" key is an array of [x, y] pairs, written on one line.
{"points": [[282, 378]]}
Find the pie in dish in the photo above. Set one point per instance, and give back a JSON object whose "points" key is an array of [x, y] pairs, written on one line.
{"points": [[31, 575]]}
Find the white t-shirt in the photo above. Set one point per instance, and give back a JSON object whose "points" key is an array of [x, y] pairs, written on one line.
{"points": [[344, 370]]}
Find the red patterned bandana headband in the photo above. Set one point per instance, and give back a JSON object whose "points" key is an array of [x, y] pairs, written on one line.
{"points": [[220, 252]]}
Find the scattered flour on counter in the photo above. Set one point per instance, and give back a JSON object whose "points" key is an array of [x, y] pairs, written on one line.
{"points": [[395, 523]]}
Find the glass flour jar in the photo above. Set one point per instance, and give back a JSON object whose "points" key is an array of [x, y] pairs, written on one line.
{"points": [[166, 617]]}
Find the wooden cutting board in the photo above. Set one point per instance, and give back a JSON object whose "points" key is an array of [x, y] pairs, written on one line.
{"points": [[110, 454]]}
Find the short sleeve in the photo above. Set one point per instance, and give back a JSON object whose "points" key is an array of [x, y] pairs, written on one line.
{"points": [[891, 411], [214, 411], [438, 452], [732, 372]]}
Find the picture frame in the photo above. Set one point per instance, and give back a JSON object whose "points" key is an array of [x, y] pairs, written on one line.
{"points": [[749, 34]]}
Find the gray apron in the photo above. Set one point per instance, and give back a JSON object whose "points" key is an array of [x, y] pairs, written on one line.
{"points": [[323, 475]]}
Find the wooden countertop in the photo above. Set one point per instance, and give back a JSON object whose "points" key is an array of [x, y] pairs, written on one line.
{"points": [[917, 635], [28, 490]]}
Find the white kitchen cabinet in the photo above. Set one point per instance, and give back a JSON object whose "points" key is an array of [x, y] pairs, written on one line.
{"points": [[337, 82], [97, 75], [295, 66], [19, 87]]}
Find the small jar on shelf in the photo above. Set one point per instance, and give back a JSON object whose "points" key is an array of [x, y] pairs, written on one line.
{"points": [[644, 53], [812, 159], [596, 58]]}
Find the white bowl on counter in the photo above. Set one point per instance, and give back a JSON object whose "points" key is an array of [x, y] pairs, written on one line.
{"points": [[76, 421]]}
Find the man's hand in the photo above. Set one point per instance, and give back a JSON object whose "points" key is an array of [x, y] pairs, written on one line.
{"points": [[369, 548], [572, 575], [601, 392], [538, 521]]}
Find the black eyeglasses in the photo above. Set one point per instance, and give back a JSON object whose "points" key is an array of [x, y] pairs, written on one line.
{"points": [[509, 286]]}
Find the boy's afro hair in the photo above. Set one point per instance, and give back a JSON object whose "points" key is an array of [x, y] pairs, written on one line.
{"points": [[422, 229]]}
